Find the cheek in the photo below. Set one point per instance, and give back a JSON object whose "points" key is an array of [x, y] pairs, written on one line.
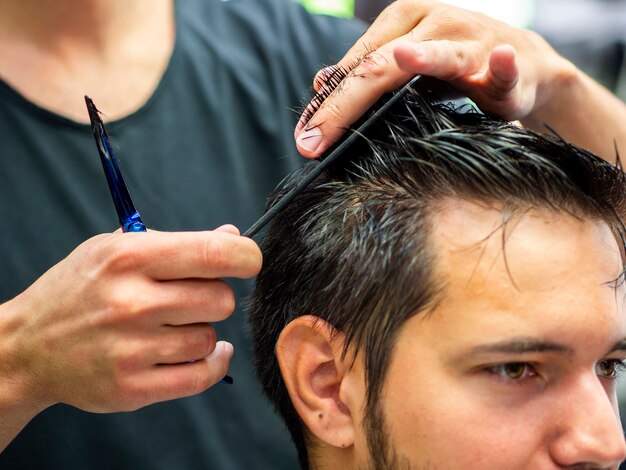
{"points": [[433, 421]]}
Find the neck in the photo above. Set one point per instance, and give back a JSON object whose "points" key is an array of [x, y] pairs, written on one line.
{"points": [[98, 25], [55, 51]]}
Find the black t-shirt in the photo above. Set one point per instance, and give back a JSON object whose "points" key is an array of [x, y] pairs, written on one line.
{"points": [[212, 141]]}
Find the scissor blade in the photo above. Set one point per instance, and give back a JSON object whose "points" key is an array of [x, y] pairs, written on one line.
{"points": [[128, 215]]}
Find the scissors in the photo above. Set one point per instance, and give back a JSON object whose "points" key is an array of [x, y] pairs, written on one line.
{"points": [[130, 220]]}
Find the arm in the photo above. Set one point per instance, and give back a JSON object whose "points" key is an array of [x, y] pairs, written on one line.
{"points": [[585, 113], [509, 72], [17, 403], [116, 325]]}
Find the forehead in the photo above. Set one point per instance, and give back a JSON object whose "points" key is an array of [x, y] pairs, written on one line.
{"points": [[536, 270]]}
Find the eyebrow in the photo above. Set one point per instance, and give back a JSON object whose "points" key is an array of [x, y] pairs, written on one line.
{"points": [[525, 345], [619, 346], [529, 345]]}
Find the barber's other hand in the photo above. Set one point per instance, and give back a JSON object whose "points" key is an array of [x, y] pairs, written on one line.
{"points": [[506, 71], [114, 326]]}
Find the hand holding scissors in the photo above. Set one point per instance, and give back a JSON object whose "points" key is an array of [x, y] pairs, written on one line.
{"points": [[129, 217]]}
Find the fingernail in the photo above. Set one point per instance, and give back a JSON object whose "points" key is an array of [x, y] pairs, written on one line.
{"points": [[310, 139], [228, 348]]}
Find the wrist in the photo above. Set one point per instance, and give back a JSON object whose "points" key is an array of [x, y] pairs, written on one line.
{"points": [[555, 93], [20, 393]]}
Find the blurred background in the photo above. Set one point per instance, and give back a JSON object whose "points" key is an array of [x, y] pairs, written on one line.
{"points": [[590, 33]]}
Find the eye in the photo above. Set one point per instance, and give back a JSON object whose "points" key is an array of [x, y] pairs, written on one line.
{"points": [[514, 371], [610, 368]]}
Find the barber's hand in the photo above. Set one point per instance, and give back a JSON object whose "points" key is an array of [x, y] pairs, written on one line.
{"points": [[506, 71], [115, 325]]}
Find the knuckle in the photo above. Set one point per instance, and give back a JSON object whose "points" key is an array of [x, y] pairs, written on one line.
{"points": [[460, 54], [255, 261], [450, 22], [373, 65], [533, 41], [404, 8], [123, 256], [123, 360], [203, 343], [409, 8], [452, 60], [225, 301], [123, 388], [229, 302], [462, 61], [121, 305], [95, 247], [199, 383], [333, 110], [213, 253], [221, 299]]}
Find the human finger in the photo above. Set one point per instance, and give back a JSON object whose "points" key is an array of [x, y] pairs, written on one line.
{"points": [[497, 90], [443, 59], [187, 301], [492, 86], [381, 72], [503, 73], [167, 382], [180, 344], [376, 75], [182, 255], [323, 76], [128, 353], [395, 21]]}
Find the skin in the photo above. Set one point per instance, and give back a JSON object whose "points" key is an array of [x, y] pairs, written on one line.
{"points": [[509, 72], [114, 325], [512, 369], [116, 52]]}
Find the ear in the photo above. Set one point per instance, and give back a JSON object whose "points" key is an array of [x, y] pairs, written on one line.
{"points": [[309, 354]]}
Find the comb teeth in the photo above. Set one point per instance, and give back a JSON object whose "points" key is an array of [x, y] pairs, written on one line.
{"points": [[328, 160]]}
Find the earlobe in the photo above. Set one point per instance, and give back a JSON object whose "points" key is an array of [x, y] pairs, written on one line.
{"points": [[309, 355]]}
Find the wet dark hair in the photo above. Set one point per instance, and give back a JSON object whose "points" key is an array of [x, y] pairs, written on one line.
{"points": [[353, 248]]}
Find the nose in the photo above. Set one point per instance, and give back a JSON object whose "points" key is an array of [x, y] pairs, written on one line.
{"points": [[589, 433]]}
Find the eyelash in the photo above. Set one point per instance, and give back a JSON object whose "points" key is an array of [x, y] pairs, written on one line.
{"points": [[499, 371], [616, 366]]}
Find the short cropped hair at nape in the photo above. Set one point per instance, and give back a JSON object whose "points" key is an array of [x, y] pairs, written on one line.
{"points": [[353, 248]]}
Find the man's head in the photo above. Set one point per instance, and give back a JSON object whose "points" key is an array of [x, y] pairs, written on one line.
{"points": [[449, 295]]}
